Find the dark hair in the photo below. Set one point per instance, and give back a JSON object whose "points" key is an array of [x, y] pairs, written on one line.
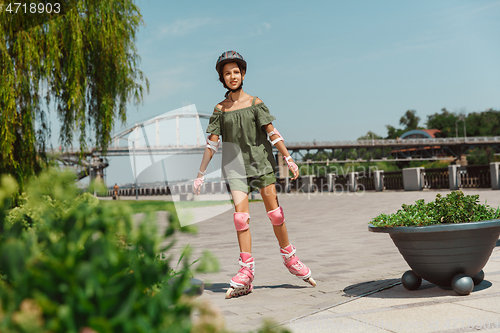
{"points": [[221, 78]]}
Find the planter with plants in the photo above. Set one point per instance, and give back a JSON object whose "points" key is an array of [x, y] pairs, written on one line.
{"points": [[446, 241]]}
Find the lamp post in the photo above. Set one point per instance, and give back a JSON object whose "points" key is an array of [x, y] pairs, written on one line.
{"points": [[135, 168], [461, 118], [465, 131], [135, 177]]}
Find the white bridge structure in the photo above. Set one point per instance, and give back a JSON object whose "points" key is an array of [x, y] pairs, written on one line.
{"points": [[166, 145], [172, 132], [181, 132]]}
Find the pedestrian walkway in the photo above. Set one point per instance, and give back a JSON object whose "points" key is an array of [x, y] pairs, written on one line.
{"points": [[348, 263], [428, 309]]}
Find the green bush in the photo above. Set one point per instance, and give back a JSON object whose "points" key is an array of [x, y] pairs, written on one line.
{"points": [[69, 264], [454, 208]]}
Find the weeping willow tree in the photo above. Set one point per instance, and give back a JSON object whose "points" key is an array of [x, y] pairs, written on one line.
{"points": [[73, 57]]}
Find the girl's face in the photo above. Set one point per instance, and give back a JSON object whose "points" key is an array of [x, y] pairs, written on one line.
{"points": [[232, 75]]}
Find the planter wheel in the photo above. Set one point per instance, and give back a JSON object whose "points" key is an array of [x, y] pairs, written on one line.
{"points": [[411, 280], [478, 278], [462, 284]]}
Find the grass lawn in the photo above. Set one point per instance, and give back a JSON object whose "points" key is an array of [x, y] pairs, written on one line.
{"points": [[142, 206]]}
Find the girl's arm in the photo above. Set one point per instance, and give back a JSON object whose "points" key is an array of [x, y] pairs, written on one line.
{"points": [[280, 145], [207, 157]]}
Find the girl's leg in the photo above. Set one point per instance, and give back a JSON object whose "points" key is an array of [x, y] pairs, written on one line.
{"points": [[241, 283], [291, 261], [270, 198], [241, 206]]}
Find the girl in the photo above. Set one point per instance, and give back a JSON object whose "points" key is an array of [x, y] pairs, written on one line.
{"points": [[245, 124]]}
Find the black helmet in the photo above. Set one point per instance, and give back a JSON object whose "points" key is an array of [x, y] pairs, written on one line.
{"points": [[230, 56]]}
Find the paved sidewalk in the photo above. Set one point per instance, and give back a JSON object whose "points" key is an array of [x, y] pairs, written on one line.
{"points": [[331, 235], [428, 309]]}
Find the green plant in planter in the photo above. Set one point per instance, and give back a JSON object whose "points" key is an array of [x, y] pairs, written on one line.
{"points": [[447, 241], [453, 208]]}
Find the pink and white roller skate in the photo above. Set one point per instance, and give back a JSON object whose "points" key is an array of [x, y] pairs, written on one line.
{"points": [[295, 266], [241, 283]]}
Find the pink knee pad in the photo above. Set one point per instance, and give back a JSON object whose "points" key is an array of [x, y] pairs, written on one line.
{"points": [[240, 221], [276, 216]]}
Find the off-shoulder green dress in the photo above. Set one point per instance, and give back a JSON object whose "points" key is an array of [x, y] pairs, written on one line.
{"points": [[247, 160]]}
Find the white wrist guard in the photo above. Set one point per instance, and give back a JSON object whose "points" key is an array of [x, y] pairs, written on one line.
{"points": [[274, 132], [198, 182], [213, 145], [291, 165]]}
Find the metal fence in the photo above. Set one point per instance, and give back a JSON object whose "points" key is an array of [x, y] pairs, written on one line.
{"points": [[432, 178], [366, 182], [342, 182], [321, 183], [393, 180], [436, 178], [475, 176]]}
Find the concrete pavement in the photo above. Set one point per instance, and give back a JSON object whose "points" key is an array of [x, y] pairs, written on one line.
{"points": [[428, 309], [349, 264]]}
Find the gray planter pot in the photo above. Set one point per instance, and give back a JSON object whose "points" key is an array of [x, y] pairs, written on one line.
{"points": [[440, 253]]}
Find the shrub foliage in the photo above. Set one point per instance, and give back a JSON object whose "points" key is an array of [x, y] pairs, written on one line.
{"points": [[68, 264], [453, 208]]}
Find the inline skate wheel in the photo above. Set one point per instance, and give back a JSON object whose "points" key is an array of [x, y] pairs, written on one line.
{"points": [[310, 281], [235, 292]]}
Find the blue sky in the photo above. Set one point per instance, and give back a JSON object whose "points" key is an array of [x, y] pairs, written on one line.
{"points": [[327, 70]]}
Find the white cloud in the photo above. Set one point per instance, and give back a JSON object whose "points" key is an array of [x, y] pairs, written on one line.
{"points": [[179, 28], [463, 11], [167, 83], [422, 42], [260, 29], [486, 7]]}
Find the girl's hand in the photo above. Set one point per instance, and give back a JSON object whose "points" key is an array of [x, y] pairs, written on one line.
{"points": [[292, 167], [295, 172], [198, 182]]}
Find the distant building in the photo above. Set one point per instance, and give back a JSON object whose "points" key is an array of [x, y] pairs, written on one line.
{"points": [[420, 134]]}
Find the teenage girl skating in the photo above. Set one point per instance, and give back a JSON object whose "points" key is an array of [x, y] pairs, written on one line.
{"points": [[246, 128]]}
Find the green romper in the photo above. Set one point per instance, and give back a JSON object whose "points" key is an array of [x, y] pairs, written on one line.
{"points": [[247, 160]]}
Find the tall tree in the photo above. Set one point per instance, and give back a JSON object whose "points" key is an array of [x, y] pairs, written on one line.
{"points": [[485, 123], [369, 136], [445, 121], [409, 120], [393, 133], [81, 58]]}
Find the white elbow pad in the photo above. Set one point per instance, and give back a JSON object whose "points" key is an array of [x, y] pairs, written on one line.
{"points": [[274, 132], [213, 145]]}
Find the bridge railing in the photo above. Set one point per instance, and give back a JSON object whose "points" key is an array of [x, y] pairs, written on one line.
{"points": [[393, 180], [296, 145], [435, 178], [475, 176], [366, 182], [378, 142], [321, 183]]}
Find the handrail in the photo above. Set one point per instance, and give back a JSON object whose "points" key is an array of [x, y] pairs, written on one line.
{"points": [[359, 143], [399, 142]]}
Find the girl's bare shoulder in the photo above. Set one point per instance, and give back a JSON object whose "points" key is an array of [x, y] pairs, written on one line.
{"points": [[258, 101], [220, 105]]}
